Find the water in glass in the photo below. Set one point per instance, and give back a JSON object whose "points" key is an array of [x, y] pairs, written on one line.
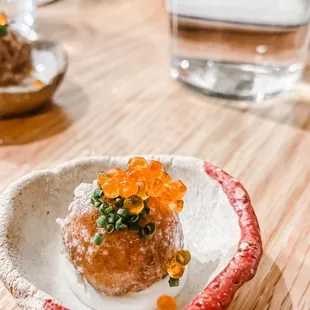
{"points": [[243, 49]]}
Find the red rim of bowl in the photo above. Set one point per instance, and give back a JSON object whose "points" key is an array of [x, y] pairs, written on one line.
{"points": [[219, 293]]}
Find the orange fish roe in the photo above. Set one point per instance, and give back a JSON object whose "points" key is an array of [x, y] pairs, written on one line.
{"points": [[155, 188], [183, 257], [136, 163], [176, 206], [146, 180], [116, 173], [38, 84], [102, 178], [110, 189], [142, 192], [165, 177], [166, 302], [153, 169], [134, 204], [3, 19], [175, 270], [174, 188], [128, 188], [182, 189]]}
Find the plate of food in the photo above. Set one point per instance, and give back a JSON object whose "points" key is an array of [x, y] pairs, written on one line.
{"points": [[30, 72], [128, 233]]}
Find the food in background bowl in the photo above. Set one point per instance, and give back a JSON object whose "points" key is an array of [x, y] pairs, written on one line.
{"points": [[15, 55], [123, 233]]}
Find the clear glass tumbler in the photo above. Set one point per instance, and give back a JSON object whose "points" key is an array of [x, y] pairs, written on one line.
{"points": [[239, 49], [21, 15]]}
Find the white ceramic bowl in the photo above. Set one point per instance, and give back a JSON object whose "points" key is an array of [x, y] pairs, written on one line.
{"points": [[218, 220]]}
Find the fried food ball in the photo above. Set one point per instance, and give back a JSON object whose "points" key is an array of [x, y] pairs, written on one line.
{"points": [[124, 263]]}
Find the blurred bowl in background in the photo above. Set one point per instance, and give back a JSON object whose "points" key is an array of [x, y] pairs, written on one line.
{"points": [[50, 62]]}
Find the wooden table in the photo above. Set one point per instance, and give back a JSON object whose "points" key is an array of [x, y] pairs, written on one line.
{"points": [[118, 98]]}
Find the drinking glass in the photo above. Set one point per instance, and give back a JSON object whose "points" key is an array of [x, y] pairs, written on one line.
{"points": [[21, 15], [239, 49]]}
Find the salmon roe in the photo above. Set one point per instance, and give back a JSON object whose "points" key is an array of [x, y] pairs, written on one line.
{"points": [[183, 257], [166, 302], [175, 269], [128, 188], [134, 204], [136, 163], [147, 180], [3, 19], [37, 83], [110, 189]]}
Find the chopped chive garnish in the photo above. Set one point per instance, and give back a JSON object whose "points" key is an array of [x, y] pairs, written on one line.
{"points": [[97, 204], [146, 210], [134, 218], [3, 30], [108, 210], [97, 239], [98, 193], [119, 202], [147, 231], [112, 218], [102, 221], [123, 213], [102, 208], [93, 200], [134, 226], [174, 282], [119, 225], [110, 228]]}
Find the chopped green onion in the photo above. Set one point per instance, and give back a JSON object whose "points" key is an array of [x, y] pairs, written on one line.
{"points": [[134, 218], [119, 202], [102, 208], [96, 196], [102, 221], [134, 226], [108, 210], [97, 239], [3, 30], [97, 204], [147, 231], [98, 193], [112, 218], [174, 282], [146, 210], [119, 225], [123, 212], [110, 228]]}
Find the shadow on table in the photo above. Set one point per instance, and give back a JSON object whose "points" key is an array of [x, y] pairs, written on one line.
{"points": [[266, 291], [292, 109], [49, 120]]}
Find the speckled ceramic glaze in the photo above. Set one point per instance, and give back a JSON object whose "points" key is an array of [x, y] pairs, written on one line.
{"points": [[218, 221]]}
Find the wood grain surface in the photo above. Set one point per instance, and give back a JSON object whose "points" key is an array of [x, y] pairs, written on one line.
{"points": [[118, 99]]}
